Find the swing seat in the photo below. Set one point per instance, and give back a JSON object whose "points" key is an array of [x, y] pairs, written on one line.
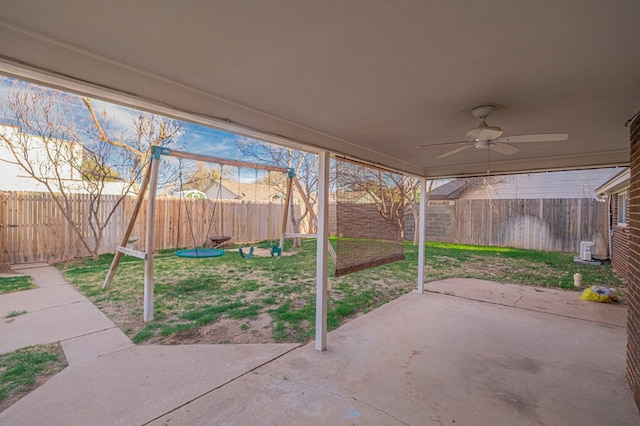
{"points": [[206, 252], [247, 255], [219, 240], [275, 251]]}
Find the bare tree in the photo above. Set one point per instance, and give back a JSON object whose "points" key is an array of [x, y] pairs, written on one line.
{"points": [[305, 166], [133, 144], [394, 195], [41, 138], [200, 177]]}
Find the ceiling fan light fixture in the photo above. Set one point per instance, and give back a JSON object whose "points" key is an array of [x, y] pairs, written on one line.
{"points": [[484, 133]]}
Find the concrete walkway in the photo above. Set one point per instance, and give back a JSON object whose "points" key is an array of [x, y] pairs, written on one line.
{"points": [[478, 353], [56, 312]]}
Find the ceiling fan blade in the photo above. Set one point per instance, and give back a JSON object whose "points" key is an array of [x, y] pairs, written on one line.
{"points": [[455, 151], [428, 145], [504, 148], [541, 137]]}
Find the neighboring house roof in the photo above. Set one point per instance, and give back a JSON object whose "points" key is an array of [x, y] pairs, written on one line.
{"points": [[616, 184], [231, 190], [565, 184], [215, 191], [451, 190], [256, 191]]}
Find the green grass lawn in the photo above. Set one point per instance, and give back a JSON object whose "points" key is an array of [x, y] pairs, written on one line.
{"points": [[23, 370], [262, 299], [12, 283]]}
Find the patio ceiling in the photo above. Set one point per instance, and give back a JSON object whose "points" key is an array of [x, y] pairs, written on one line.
{"points": [[369, 79]]}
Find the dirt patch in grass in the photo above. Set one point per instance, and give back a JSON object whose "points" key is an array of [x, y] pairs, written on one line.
{"points": [[264, 252], [225, 330]]}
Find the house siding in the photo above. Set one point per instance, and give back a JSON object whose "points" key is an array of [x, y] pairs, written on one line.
{"points": [[565, 184], [633, 314]]}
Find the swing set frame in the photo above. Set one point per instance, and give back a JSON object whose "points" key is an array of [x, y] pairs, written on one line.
{"points": [[150, 185]]}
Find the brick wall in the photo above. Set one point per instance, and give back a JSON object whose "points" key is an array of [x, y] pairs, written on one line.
{"points": [[619, 243], [633, 319]]}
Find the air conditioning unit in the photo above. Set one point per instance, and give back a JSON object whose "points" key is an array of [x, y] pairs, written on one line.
{"points": [[587, 249]]}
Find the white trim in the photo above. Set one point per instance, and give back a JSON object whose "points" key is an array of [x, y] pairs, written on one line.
{"points": [[322, 141], [626, 208], [52, 79], [618, 183]]}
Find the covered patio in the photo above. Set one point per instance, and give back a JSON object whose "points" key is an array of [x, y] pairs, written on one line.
{"points": [[390, 84]]}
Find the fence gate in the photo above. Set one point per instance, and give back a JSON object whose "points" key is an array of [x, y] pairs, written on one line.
{"points": [[8, 230], [25, 234]]}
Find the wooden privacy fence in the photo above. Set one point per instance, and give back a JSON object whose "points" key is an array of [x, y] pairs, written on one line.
{"points": [[33, 229], [539, 224]]}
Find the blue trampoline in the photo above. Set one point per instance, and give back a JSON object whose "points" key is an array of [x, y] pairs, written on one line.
{"points": [[203, 252]]}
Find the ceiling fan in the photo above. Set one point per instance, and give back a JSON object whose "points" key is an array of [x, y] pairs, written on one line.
{"points": [[490, 137]]}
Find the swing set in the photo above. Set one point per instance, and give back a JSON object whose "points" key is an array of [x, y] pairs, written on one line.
{"points": [[247, 252], [217, 242], [150, 184]]}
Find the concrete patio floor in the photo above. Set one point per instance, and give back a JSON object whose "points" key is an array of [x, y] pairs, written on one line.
{"points": [[481, 354]]}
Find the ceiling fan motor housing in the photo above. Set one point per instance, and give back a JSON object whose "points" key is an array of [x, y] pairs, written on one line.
{"points": [[483, 111]]}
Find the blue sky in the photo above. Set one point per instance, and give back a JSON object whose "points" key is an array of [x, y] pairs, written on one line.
{"points": [[194, 138]]}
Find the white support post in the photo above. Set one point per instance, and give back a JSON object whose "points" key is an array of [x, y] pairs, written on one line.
{"points": [[321, 252], [149, 240], [421, 232]]}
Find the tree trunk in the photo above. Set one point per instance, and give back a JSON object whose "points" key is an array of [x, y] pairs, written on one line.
{"points": [[296, 224]]}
